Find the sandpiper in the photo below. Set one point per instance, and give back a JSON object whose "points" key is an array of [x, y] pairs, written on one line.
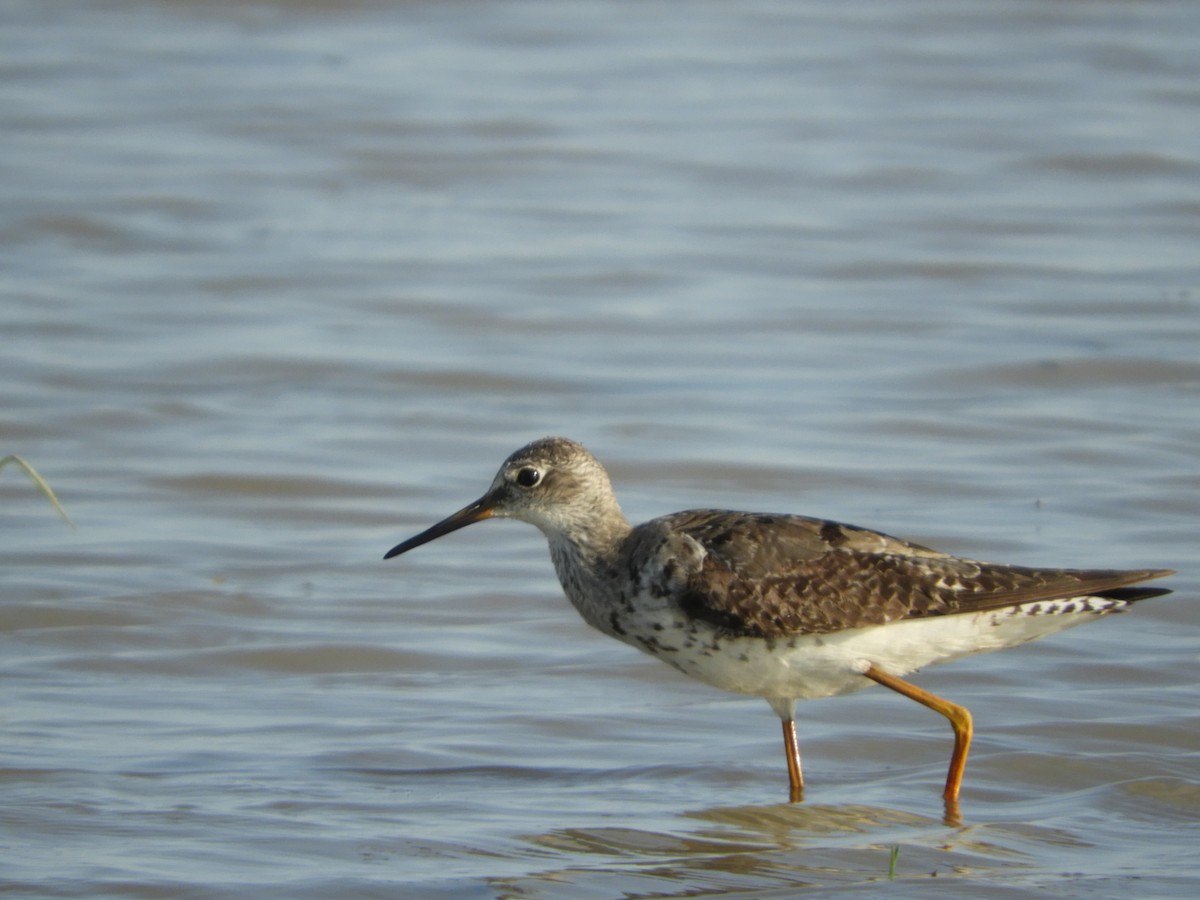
{"points": [[782, 607]]}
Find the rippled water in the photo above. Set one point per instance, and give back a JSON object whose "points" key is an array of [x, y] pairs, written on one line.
{"points": [[282, 283]]}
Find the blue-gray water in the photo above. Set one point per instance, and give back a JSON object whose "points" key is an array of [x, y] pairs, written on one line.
{"points": [[282, 283]]}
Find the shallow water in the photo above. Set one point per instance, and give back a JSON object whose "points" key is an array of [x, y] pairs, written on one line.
{"points": [[284, 282]]}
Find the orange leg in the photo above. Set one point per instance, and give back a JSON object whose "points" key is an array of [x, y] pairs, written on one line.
{"points": [[792, 748], [960, 721]]}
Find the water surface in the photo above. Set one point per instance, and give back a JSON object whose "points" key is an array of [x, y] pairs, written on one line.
{"points": [[283, 282]]}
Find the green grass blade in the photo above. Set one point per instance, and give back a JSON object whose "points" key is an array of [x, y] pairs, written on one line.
{"points": [[40, 483]]}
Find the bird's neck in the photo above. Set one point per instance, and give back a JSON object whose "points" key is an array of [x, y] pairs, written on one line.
{"points": [[591, 543], [585, 558]]}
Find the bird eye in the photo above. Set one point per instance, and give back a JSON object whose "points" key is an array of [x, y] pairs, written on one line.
{"points": [[528, 476]]}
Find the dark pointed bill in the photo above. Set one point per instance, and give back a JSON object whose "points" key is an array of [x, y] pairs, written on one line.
{"points": [[478, 511]]}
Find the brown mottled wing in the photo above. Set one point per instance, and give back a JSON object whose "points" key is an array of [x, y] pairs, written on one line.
{"points": [[775, 575]]}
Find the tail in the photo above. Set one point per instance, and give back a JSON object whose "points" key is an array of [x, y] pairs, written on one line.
{"points": [[1128, 595]]}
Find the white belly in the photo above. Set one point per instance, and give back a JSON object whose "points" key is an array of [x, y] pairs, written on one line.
{"points": [[807, 667]]}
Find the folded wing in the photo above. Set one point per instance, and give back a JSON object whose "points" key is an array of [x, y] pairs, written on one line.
{"points": [[775, 576]]}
